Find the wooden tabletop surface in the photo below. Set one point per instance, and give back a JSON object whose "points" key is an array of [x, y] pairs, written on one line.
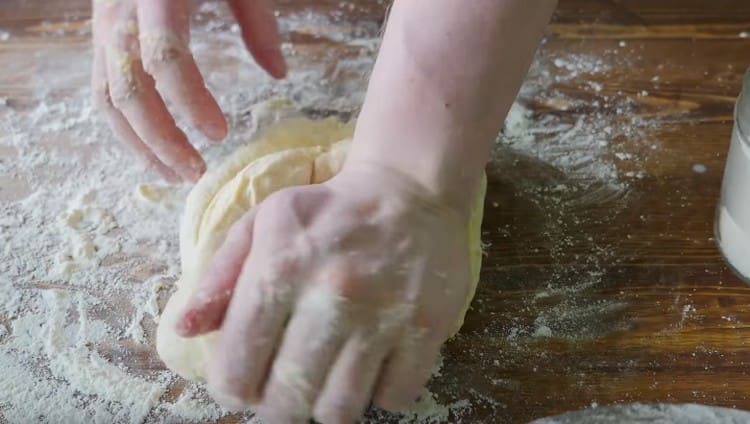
{"points": [[609, 299]]}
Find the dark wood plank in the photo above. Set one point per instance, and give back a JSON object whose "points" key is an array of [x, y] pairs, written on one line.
{"points": [[637, 300]]}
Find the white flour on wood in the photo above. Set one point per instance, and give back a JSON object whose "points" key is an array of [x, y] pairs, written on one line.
{"points": [[578, 156], [88, 241]]}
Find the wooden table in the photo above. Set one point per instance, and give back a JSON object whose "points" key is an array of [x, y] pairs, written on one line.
{"points": [[637, 302]]}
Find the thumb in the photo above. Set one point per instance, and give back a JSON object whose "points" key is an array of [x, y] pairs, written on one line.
{"points": [[206, 307]]}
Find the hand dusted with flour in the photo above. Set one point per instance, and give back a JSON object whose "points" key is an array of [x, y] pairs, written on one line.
{"points": [[337, 302], [142, 53]]}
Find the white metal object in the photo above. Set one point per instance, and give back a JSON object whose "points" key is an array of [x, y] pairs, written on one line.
{"points": [[733, 214]]}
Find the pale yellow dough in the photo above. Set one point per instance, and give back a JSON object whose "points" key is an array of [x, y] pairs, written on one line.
{"points": [[294, 152]]}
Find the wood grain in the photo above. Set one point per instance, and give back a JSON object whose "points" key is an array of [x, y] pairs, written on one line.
{"points": [[664, 320]]}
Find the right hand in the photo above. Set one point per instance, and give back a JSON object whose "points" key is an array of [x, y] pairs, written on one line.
{"points": [[139, 43], [329, 295]]}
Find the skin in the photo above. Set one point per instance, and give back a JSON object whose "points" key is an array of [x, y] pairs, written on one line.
{"points": [[327, 297], [141, 43]]}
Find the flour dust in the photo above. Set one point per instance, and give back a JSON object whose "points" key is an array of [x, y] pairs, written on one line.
{"points": [[88, 240]]}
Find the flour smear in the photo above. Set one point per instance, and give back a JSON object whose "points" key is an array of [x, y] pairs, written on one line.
{"points": [[88, 240]]}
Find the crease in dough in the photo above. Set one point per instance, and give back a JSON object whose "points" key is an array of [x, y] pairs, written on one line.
{"points": [[293, 152]]}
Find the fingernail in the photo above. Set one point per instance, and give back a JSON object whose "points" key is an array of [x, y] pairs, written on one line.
{"points": [[214, 130], [197, 168], [194, 322], [277, 64], [170, 176], [185, 326]]}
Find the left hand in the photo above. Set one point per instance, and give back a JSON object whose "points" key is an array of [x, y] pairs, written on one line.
{"points": [[327, 296], [142, 59]]}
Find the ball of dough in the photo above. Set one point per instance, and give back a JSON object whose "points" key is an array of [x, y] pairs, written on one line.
{"points": [[292, 153]]}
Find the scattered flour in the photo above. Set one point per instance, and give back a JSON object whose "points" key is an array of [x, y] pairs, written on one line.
{"points": [[191, 404], [651, 413], [579, 154], [699, 168], [88, 240], [543, 331], [427, 410]]}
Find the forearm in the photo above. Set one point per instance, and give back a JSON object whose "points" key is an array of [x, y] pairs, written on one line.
{"points": [[446, 75]]}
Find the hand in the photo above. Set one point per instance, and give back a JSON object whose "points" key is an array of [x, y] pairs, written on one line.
{"points": [[139, 43], [327, 296]]}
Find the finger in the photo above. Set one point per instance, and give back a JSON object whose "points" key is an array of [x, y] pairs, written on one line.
{"points": [[207, 306], [255, 318], [350, 384], [164, 27], [260, 32], [103, 14], [311, 342], [119, 124], [133, 92], [407, 370]]}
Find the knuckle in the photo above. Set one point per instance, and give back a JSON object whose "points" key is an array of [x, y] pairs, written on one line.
{"points": [[160, 50], [124, 33], [347, 283], [122, 92], [285, 262], [123, 85], [275, 296], [123, 62]]}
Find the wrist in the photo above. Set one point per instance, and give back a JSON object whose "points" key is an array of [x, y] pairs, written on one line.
{"points": [[422, 172]]}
